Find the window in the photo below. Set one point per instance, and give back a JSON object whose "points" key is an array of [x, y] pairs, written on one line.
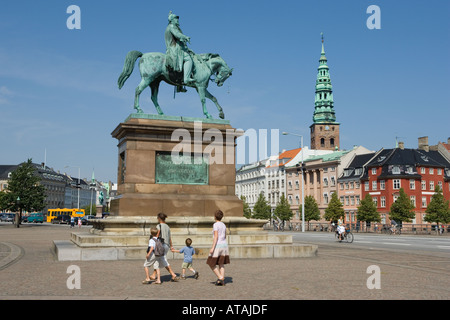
{"points": [[382, 184], [333, 181], [325, 182], [383, 201], [325, 198], [424, 185], [413, 200], [396, 184], [357, 200], [431, 170], [440, 185], [374, 170], [374, 185], [424, 202], [396, 170], [342, 199], [412, 184], [422, 170], [341, 186], [366, 185], [439, 171], [332, 142], [352, 200], [431, 185], [375, 200]]}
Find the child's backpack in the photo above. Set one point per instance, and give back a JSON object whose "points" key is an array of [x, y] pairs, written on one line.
{"points": [[159, 248]]}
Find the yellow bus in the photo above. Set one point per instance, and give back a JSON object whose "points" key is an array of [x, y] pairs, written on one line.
{"points": [[53, 213]]}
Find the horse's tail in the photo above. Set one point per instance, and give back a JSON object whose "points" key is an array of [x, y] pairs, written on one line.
{"points": [[128, 67]]}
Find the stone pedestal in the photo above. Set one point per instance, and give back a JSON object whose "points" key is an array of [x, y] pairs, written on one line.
{"points": [[151, 180]]}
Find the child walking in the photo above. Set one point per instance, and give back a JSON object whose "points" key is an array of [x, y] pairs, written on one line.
{"points": [[187, 261], [152, 260]]}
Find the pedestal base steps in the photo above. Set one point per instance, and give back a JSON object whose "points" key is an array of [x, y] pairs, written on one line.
{"points": [[126, 238]]}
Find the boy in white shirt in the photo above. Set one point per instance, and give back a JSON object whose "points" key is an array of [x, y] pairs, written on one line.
{"points": [[151, 259]]}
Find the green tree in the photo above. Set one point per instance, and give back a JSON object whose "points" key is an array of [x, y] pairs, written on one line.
{"points": [[24, 191], [335, 209], [283, 209], [367, 210], [402, 210], [90, 209], [312, 211], [438, 209], [247, 210], [261, 210]]}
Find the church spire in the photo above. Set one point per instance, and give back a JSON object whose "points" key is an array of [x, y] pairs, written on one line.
{"points": [[324, 104], [325, 129]]}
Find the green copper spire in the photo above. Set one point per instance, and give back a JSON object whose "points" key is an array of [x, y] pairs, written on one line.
{"points": [[324, 111]]}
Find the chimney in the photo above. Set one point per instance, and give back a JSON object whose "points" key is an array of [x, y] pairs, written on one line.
{"points": [[401, 145], [423, 144], [448, 140]]}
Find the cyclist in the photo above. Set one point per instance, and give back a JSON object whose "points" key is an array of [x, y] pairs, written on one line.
{"points": [[341, 231]]}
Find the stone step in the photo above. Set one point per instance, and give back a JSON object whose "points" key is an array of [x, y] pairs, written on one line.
{"points": [[66, 250], [88, 240]]}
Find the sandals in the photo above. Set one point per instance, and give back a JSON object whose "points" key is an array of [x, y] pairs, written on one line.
{"points": [[220, 282], [146, 282], [174, 279]]}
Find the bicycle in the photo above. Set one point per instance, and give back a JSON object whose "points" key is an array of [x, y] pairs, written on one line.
{"points": [[394, 230], [347, 236]]}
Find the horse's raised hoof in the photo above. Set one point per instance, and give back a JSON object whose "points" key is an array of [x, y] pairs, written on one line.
{"points": [[221, 115], [208, 116], [139, 110]]}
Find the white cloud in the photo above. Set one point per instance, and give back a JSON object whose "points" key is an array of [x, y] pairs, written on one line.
{"points": [[4, 94]]}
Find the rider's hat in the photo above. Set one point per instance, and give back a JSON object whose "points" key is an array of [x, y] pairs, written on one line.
{"points": [[172, 16]]}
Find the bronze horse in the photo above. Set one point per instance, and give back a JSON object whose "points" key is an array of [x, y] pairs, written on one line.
{"points": [[153, 70]]}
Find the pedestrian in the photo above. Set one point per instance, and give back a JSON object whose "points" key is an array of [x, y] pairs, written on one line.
{"points": [[72, 222], [79, 222], [188, 252], [164, 235], [218, 254], [152, 260]]}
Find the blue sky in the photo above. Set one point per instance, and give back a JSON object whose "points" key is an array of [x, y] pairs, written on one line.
{"points": [[59, 95]]}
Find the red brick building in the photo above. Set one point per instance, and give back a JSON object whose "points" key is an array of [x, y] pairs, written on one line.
{"points": [[417, 171]]}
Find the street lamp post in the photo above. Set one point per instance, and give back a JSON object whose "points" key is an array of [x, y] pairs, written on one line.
{"points": [[303, 180], [78, 185]]}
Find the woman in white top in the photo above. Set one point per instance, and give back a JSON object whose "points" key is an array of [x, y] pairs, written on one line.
{"points": [[218, 254]]}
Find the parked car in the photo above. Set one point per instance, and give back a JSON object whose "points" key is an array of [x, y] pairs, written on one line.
{"points": [[8, 217], [87, 219], [35, 217], [61, 219]]}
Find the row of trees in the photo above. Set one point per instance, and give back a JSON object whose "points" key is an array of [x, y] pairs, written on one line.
{"points": [[402, 210]]}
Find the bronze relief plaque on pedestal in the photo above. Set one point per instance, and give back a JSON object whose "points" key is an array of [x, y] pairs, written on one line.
{"points": [[181, 169]]}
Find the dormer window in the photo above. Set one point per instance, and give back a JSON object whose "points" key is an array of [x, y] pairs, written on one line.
{"points": [[396, 170]]}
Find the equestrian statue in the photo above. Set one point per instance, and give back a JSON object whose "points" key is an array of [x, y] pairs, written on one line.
{"points": [[179, 67]]}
